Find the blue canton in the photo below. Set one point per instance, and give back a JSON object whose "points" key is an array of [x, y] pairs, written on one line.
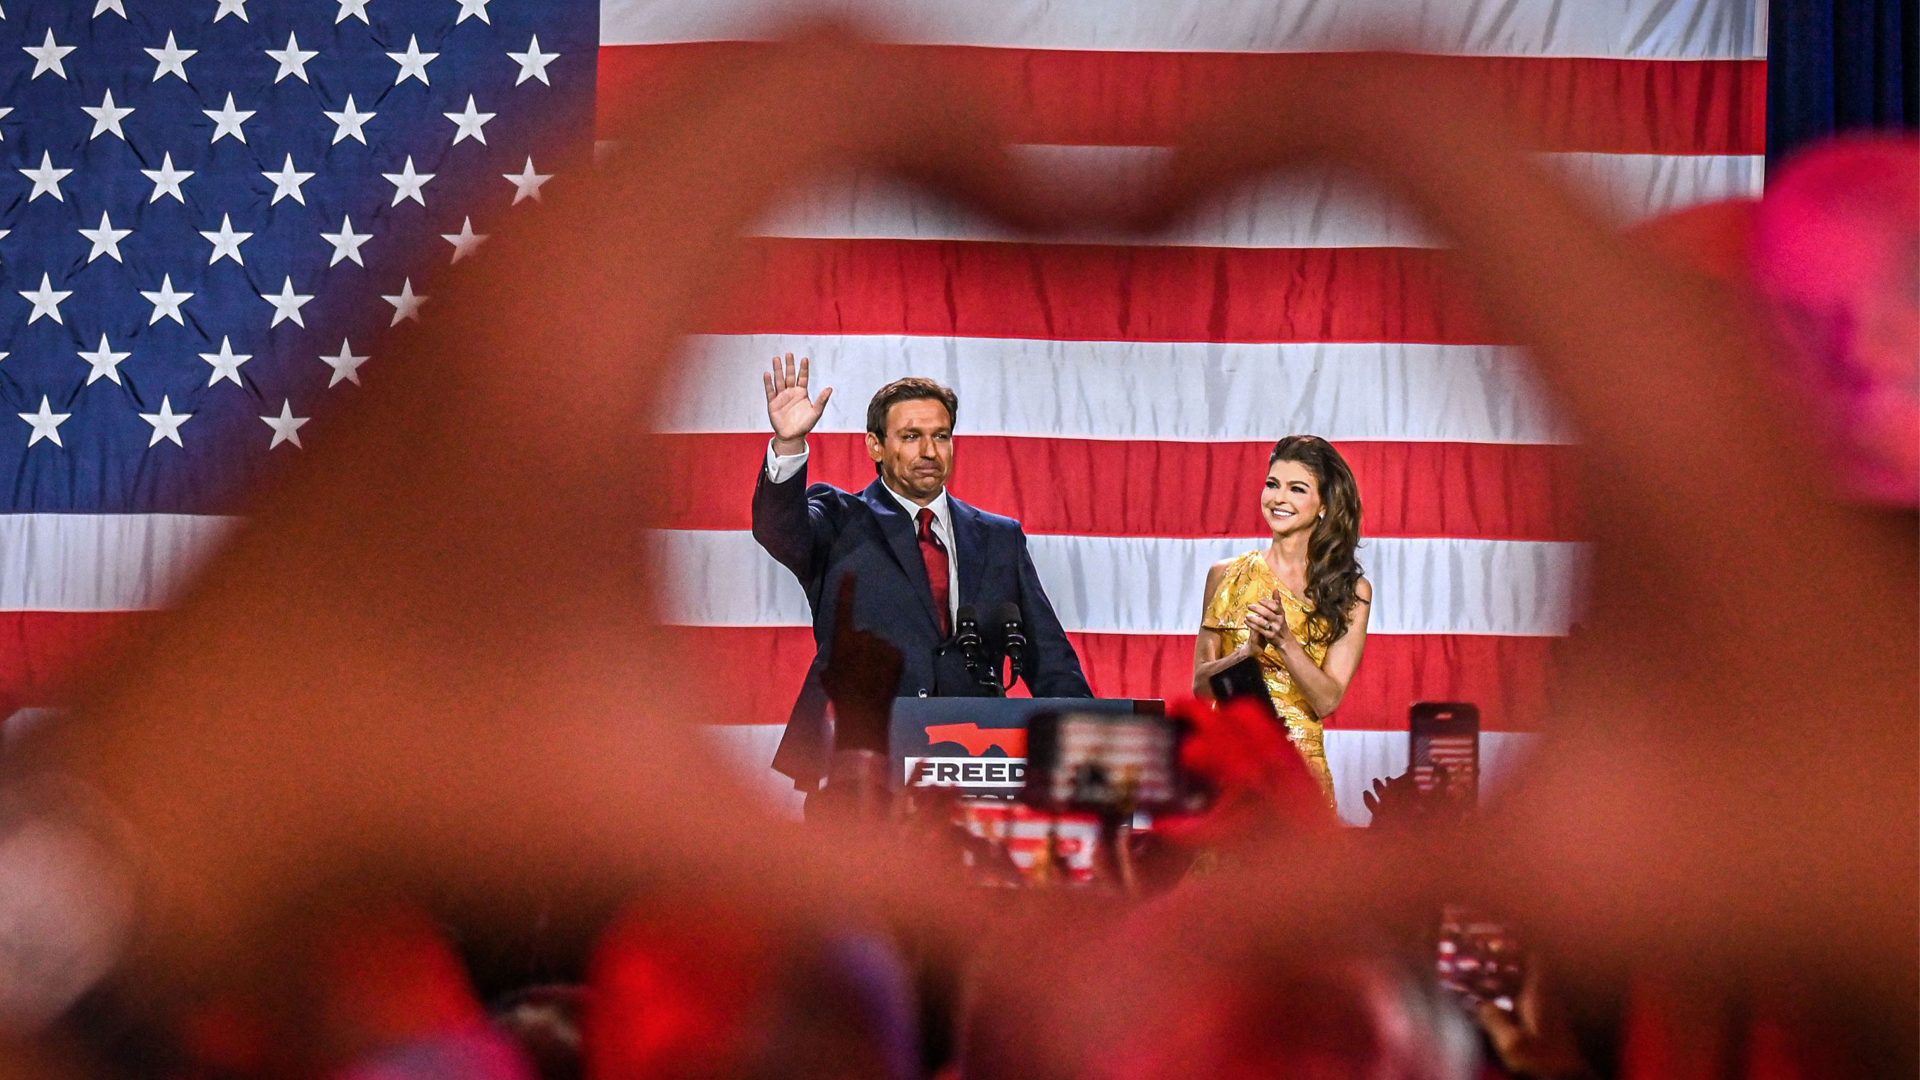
{"points": [[211, 211]]}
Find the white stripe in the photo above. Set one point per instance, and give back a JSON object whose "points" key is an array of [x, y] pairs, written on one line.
{"points": [[101, 562], [1130, 585], [1160, 391], [1652, 29], [1355, 757], [1306, 208], [1152, 585], [747, 749]]}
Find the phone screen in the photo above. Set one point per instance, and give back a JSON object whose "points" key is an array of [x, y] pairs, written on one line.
{"points": [[1100, 761], [1443, 751], [1478, 958]]}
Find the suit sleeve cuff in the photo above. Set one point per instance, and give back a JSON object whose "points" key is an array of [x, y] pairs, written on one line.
{"points": [[783, 467]]}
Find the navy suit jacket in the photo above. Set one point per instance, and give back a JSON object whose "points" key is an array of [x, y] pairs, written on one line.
{"points": [[824, 534]]}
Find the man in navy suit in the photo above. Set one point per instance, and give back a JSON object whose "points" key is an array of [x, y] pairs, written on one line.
{"points": [[918, 555]]}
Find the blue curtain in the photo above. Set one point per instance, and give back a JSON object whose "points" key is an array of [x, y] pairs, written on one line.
{"points": [[1834, 65]]}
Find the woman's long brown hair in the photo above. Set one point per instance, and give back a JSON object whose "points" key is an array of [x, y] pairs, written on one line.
{"points": [[1333, 572]]}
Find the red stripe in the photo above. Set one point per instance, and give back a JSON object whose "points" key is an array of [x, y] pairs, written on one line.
{"points": [[1069, 97], [1093, 292], [761, 669], [1127, 488], [41, 650]]}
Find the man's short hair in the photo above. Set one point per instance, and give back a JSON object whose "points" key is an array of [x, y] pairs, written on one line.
{"points": [[911, 388]]}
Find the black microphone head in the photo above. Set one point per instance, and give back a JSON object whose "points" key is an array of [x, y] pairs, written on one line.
{"points": [[966, 632], [1013, 636]]}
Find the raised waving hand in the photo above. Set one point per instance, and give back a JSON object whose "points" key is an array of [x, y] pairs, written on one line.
{"points": [[792, 413]]}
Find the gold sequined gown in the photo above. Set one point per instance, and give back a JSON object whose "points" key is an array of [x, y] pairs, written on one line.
{"points": [[1248, 579]]}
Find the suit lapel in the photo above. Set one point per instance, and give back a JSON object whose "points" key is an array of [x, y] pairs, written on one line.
{"points": [[970, 536], [903, 541]]}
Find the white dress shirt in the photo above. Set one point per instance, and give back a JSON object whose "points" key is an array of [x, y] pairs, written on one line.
{"points": [[783, 467]]}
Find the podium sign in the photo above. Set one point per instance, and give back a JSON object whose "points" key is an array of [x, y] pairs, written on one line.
{"points": [[979, 745]]}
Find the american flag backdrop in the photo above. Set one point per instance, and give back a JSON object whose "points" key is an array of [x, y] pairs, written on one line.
{"points": [[210, 210], [1117, 395]]}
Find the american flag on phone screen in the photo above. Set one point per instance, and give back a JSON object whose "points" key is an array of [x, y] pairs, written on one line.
{"points": [[1457, 754]]}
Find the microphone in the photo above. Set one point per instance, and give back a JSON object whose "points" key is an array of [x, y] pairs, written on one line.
{"points": [[966, 638], [1013, 635], [966, 629]]}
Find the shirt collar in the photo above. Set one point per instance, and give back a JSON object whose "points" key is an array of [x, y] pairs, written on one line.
{"points": [[938, 505]]}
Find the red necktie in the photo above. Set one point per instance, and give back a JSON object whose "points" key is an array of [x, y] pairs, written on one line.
{"points": [[935, 556]]}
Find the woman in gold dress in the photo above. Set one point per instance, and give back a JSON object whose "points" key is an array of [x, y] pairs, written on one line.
{"points": [[1300, 604]]}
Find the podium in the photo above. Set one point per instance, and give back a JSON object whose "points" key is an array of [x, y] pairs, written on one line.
{"points": [[979, 744]]}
